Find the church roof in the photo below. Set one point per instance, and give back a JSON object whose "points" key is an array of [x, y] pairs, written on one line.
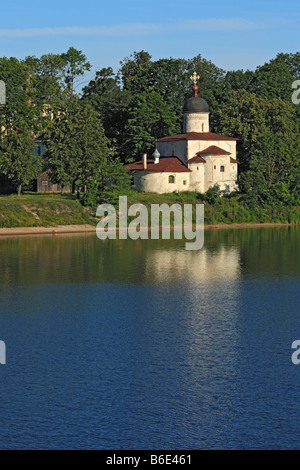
{"points": [[196, 159], [195, 136], [213, 150], [165, 164], [195, 105]]}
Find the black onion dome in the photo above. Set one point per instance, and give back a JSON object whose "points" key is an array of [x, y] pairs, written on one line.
{"points": [[195, 105]]}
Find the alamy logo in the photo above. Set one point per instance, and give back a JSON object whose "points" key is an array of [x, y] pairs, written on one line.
{"points": [[296, 93], [296, 354], [2, 93], [146, 224], [2, 353]]}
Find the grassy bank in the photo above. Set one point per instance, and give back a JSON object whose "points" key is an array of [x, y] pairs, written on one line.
{"points": [[223, 210], [46, 210], [42, 210]]}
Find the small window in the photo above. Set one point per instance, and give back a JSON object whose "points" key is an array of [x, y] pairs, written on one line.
{"points": [[184, 182], [215, 167], [222, 168], [202, 127], [171, 179], [197, 168]]}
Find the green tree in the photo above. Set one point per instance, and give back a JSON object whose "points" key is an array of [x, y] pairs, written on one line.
{"points": [[53, 76], [111, 102], [115, 181], [134, 70], [273, 176], [210, 82], [75, 65], [250, 118], [236, 80], [17, 160], [274, 79], [48, 79], [19, 109], [170, 78], [268, 150], [77, 147], [20, 120], [149, 118]]}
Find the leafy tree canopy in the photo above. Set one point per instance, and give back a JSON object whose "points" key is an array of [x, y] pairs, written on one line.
{"points": [[17, 160], [149, 118], [268, 150], [77, 147]]}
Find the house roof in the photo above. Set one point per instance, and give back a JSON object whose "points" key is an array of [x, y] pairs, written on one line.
{"points": [[213, 150], [195, 136], [40, 138], [232, 160], [165, 164], [42, 175]]}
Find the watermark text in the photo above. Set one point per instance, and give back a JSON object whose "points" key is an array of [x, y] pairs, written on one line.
{"points": [[149, 223], [296, 354], [296, 93], [2, 352]]}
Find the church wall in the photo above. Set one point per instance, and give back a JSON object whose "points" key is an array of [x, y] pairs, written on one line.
{"points": [[185, 150], [195, 122], [197, 177], [217, 170], [159, 182], [213, 175], [170, 149]]}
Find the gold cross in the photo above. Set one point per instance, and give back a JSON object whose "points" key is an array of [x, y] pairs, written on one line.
{"points": [[195, 77]]}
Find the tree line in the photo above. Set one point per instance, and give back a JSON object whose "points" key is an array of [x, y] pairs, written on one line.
{"points": [[119, 115]]}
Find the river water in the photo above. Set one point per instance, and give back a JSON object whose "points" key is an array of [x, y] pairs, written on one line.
{"points": [[144, 345]]}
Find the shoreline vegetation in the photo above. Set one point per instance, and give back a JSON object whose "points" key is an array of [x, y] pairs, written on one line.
{"points": [[83, 140], [37, 214]]}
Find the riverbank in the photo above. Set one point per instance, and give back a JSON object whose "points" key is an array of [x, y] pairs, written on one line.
{"points": [[77, 229], [58, 230], [56, 213], [42, 211]]}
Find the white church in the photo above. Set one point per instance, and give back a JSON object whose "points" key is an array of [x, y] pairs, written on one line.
{"points": [[195, 160]]}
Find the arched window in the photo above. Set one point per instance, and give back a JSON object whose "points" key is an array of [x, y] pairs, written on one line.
{"points": [[171, 179]]}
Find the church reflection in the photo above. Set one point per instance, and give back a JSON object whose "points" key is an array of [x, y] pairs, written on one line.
{"points": [[227, 257], [193, 267]]}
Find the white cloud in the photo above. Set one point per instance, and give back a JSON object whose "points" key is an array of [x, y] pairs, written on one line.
{"points": [[144, 29]]}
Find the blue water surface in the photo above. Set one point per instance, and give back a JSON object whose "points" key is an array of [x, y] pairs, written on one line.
{"points": [[144, 345]]}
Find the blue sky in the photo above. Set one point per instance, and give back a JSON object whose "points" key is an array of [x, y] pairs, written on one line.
{"points": [[232, 34]]}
